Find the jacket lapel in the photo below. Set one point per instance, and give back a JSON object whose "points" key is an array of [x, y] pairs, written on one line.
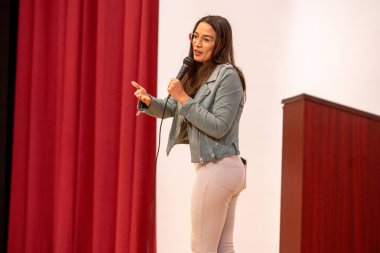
{"points": [[204, 91]]}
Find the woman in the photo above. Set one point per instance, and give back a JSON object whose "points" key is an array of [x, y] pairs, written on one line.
{"points": [[206, 106]]}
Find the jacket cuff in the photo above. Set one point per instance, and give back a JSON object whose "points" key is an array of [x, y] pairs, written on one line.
{"points": [[183, 109], [142, 107]]}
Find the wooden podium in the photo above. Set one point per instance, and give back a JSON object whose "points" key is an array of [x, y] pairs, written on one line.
{"points": [[330, 192]]}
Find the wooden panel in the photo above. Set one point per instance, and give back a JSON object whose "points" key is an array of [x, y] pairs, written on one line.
{"points": [[291, 187], [340, 177]]}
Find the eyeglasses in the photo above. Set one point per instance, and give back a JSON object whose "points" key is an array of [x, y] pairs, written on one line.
{"points": [[193, 37]]}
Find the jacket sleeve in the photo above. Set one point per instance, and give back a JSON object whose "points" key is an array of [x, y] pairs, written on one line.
{"points": [[228, 97], [157, 106]]}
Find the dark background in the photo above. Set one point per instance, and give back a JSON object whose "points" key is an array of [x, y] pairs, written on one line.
{"points": [[8, 44]]}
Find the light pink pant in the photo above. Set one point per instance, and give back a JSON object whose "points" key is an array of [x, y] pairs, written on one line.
{"points": [[215, 192]]}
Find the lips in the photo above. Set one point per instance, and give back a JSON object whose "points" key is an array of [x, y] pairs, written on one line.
{"points": [[197, 53]]}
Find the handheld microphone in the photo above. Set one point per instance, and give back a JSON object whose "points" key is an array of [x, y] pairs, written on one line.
{"points": [[187, 63]]}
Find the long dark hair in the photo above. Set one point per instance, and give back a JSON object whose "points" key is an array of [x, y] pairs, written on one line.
{"points": [[223, 53]]}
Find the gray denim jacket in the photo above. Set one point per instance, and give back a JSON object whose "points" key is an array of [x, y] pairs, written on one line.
{"points": [[209, 122]]}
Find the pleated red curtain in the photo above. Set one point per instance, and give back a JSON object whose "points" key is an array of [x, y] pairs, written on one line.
{"points": [[83, 164]]}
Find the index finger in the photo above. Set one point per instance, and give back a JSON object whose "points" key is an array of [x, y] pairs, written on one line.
{"points": [[136, 85]]}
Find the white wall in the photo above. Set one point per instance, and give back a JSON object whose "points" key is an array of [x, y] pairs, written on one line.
{"points": [[329, 49]]}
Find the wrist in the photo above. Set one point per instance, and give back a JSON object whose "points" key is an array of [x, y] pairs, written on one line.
{"points": [[147, 100], [183, 99]]}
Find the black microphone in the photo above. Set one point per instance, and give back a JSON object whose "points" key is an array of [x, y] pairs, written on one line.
{"points": [[187, 63]]}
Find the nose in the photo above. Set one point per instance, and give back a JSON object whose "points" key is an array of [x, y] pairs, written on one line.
{"points": [[198, 42]]}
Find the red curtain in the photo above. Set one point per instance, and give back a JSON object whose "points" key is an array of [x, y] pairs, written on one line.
{"points": [[83, 164]]}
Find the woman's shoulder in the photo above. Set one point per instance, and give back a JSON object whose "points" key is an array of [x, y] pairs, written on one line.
{"points": [[221, 71], [227, 69], [226, 66]]}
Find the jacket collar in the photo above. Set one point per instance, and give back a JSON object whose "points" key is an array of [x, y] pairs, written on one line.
{"points": [[214, 74], [205, 90]]}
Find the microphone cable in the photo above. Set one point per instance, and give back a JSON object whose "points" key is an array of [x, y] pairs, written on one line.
{"points": [[154, 181], [187, 63]]}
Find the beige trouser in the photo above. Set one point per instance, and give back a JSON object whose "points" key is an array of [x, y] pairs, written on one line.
{"points": [[215, 192]]}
